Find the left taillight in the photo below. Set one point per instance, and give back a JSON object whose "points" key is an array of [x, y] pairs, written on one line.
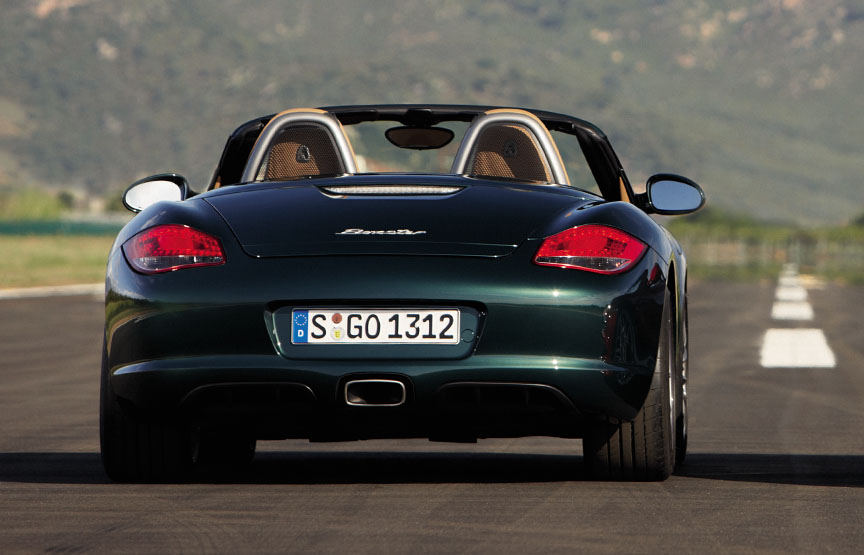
{"points": [[593, 248], [166, 248]]}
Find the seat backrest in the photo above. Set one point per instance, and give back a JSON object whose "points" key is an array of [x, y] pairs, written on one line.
{"points": [[300, 143], [511, 144], [508, 150], [301, 150]]}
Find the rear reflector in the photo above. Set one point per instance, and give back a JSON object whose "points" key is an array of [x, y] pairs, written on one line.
{"points": [[166, 248], [594, 248]]}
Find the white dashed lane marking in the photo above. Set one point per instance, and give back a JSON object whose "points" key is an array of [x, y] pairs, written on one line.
{"points": [[789, 280], [792, 294], [788, 310], [791, 297], [796, 348]]}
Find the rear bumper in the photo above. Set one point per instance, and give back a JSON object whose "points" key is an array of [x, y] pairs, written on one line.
{"points": [[484, 396], [214, 348]]}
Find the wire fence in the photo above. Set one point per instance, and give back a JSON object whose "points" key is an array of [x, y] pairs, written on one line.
{"points": [[832, 259]]}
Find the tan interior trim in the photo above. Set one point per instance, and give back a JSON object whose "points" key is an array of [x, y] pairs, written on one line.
{"points": [[542, 126], [623, 190], [316, 114]]}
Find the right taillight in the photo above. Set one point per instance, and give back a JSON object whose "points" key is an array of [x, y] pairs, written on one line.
{"points": [[593, 248], [166, 248]]}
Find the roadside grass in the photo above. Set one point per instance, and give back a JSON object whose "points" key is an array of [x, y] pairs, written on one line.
{"points": [[30, 204], [38, 246], [35, 260]]}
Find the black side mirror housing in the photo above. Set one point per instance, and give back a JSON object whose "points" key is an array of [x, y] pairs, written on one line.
{"points": [[669, 194]]}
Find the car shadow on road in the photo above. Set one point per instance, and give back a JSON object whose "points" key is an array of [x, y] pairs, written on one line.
{"points": [[322, 467], [804, 470], [319, 467], [413, 467], [52, 468], [370, 467]]}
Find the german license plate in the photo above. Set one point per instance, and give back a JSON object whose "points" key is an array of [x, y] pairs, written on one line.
{"points": [[387, 326]]}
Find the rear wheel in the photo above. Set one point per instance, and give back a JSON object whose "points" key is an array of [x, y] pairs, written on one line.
{"points": [[136, 450], [643, 449]]}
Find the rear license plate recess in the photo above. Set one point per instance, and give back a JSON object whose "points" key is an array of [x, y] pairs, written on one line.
{"points": [[390, 326]]}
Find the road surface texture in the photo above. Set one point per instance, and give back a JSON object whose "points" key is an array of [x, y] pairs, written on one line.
{"points": [[776, 461]]}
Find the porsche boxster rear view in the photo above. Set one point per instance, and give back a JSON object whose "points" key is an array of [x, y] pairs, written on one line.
{"points": [[398, 271]]}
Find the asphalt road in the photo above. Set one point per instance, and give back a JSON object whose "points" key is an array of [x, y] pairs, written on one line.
{"points": [[776, 461]]}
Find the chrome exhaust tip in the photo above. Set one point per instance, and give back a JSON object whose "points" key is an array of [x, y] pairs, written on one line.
{"points": [[375, 393]]}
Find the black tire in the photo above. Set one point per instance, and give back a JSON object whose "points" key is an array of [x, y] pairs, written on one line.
{"points": [[644, 449], [135, 450]]}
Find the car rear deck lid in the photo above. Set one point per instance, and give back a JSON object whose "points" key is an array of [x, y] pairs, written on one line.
{"points": [[455, 217]]}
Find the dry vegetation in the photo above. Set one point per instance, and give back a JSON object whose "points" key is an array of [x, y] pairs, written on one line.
{"points": [[34, 260]]}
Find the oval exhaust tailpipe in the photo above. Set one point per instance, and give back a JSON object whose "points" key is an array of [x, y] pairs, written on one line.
{"points": [[375, 393]]}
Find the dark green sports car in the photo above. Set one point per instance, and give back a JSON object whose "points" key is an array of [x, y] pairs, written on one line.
{"points": [[507, 283]]}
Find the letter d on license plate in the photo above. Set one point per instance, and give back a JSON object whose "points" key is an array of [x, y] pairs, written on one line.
{"points": [[386, 326]]}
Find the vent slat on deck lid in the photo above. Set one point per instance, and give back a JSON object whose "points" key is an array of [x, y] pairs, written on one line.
{"points": [[391, 190]]}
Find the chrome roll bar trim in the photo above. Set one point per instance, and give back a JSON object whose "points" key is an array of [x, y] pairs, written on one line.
{"points": [[280, 122], [550, 151]]}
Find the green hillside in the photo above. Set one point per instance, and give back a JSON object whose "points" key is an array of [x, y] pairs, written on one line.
{"points": [[758, 101]]}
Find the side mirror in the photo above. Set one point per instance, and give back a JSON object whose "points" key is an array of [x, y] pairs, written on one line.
{"points": [[670, 194], [153, 189]]}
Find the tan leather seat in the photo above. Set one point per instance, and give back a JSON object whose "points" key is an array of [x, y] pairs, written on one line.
{"points": [[509, 150], [302, 150], [511, 144], [300, 143]]}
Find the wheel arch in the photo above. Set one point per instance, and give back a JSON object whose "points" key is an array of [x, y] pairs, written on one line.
{"points": [[676, 282]]}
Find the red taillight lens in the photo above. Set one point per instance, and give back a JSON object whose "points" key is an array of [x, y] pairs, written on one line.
{"points": [[171, 247], [595, 248]]}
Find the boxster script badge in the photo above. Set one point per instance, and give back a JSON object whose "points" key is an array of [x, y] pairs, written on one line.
{"points": [[358, 231]]}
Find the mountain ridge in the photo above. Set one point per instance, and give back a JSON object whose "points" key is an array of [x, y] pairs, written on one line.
{"points": [[757, 101]]}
